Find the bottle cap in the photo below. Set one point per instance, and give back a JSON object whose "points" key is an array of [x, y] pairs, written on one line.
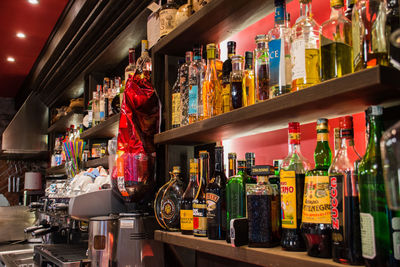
{"points": [[294, 127], [145, 44], [203, 154], [176, 169], [250, 155], [241, 164], [189, 56], [231, 155], [374, 111], [261, 38], [211, 51], [337, 3], [346, 122], [322, 124], [194, 166], [249, 60], [231, 44], [279, 2]]}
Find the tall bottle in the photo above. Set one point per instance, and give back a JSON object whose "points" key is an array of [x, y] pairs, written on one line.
{"points": [[95, 108], [280, 71], [196, 78], [199, 201], [232, 164], [143, 64], [349, 10], [101, 104], [187, 199], [261, 68], [374, 217], [226, 76], [248, 81], [216, 199], [336, 44], [238, 93], [212, 93], [393, 24], [345, 210], [168, 17], [370, 44], [292, 175], [130, 69], [305, 49], [176, 100], [184, 88], [316, 217]]}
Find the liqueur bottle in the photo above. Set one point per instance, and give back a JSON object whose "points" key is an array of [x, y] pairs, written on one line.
{"points": [[305, 49], [370, 44], [238, 96], [336, 44], [196, 78], [143, 64], [280, 71], [248, 81], [292, 176], [232, 164], [345, 210], [212, 93], [171, 199], [261, 68], [184, 88], [184, 12], [393, 24], [199, 201], [349, 10], [235, 197], [131, 68], [187, 199], [176, 99], [102, 103], [316, 216], [226, 76], [216, 202], [168, 17]]}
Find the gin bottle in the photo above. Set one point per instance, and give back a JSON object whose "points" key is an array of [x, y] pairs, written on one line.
{"points": [[184, 88], [196, 78]]}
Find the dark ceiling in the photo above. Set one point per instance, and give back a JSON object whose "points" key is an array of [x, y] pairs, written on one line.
{"points": [[36, 21]]}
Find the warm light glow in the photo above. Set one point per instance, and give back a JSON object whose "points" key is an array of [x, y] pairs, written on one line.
{"points": [[33, 2], [11, 59], [21, 35]]}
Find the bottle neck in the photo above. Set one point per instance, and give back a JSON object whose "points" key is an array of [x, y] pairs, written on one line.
{"points": [[188, 59], [131, 58], [305, 9], [280, 15], [294, 148], [375, 134], [204, 165], [261, 45], [219, 160], [337, 11], [237, 66], [232, 167]]}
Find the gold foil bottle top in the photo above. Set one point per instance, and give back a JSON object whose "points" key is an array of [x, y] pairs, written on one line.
{"points": [[322, 124], [232, 155], [176, 170], [194, 166], [211, 48], [337, 3], [203, 154], [145, 44]]}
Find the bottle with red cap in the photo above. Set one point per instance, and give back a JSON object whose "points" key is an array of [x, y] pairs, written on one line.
{"points": [[345, 211], [292, 175]]}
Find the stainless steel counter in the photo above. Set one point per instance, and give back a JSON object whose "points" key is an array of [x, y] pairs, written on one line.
{"points": [[16, 255]]}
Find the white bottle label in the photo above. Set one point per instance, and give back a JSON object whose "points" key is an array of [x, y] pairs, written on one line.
{"points": [[167, 21], [298, 53], [367, 235]]}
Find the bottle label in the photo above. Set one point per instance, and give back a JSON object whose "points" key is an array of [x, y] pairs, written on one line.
{"points": [[356, 40], [193, 99], [279, 14], [396, 237], [168, 209], [367, 235], [298, 52], [102, 114], [316, 201], [277, 62], [288, 199], [212, 205], [199, 219], [187, 220], [167, 21], [176, 110], [336, 193], [322, 137]]}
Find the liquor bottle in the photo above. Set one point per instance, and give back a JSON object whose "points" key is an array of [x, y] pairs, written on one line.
{"points": [[292, 176], [349, 10], [250, 162], [96, 108], [199, 201], [316, 216], [187, 199], [374, 213], [101, 104], [280, 71], [232, 164], [90, 114], [336, 44], [196, 79], [238, 93], [168, 17], [171, 199], [216, 202], [131, 68], [248, 81], [370, 44], [176, 99], [305, 49], [184, 12], [345, 210], [107, 99], [262, 68], [143, 64], [184, 88], [212, 93], [235, 197], [226, 76], [393, 24], [218, 64]]}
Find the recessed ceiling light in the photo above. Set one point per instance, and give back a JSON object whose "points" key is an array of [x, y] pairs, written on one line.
{"points": [[33, 2], [11, 59], [21, 35]]}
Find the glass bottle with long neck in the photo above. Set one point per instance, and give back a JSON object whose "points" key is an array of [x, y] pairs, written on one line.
{"points": [[292, 175], [196, 78], [316, 216], [143, 64], [336, 44], [219, 64], [370, 44], [168, 17], [199, 201], [349, 10], [248, 81], [238, 93], [305, 49], [261, 68], [130, 69], [184, 88], [216, 199], [345, 210], [280, 78], [187, 199], [212, 93], [176, 99], [232, 164], [95, 109], [226, 75]]}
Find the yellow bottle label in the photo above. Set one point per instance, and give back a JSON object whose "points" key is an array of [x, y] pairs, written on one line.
{"points": [[322, 137], [176, 110], [288, 199], [226, 97], [187, 220], [316, 201]]}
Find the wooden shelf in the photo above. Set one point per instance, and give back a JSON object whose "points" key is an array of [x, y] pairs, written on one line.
{"points": [[56, 170], [74, 117], [97, 162], [106, 129], [347, 95], [259, 256], [215, 22]]}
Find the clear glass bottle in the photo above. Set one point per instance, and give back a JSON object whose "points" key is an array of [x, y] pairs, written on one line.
{"points": [[184, 88], [187, 199], [95, 108], [261, 66], [292, 176], [212, 92], [168, 17], [238, 93], [196, 79], [131, 68], [176, 99], [143, 64], [280, 71], [336, 44], [226, 76], [248, 81], [101, 104], [199, 201], [305, 54]]}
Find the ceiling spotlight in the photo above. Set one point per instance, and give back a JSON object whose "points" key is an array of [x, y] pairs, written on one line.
{"points": [[11, 59], [21, 35], [33, 2]]}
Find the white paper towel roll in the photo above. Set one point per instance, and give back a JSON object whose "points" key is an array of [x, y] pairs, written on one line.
{"points": [[33, 181]]}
